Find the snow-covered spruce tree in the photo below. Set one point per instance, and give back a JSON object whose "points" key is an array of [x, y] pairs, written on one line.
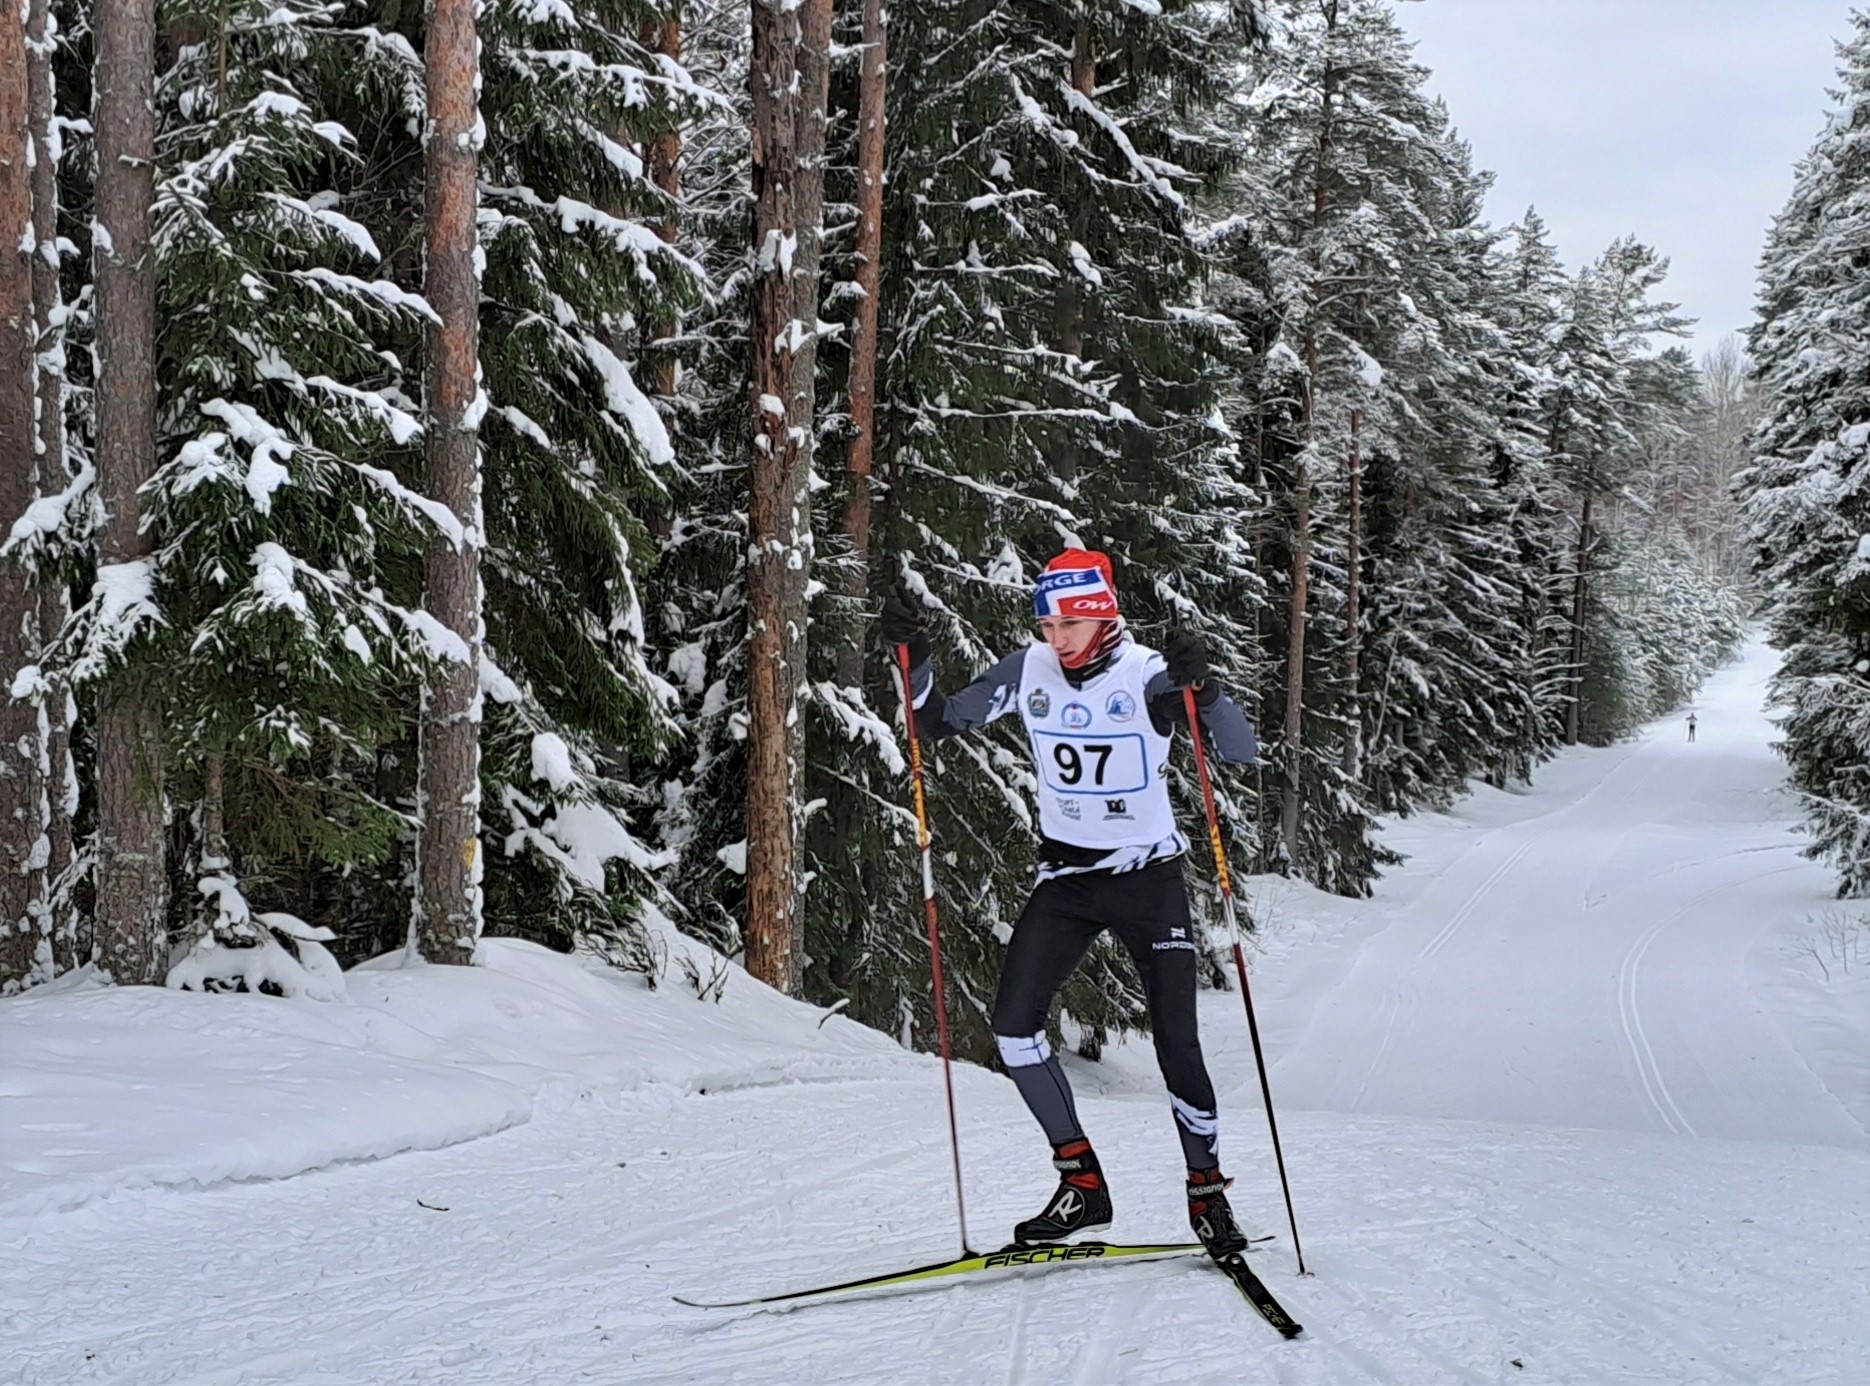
{"points": [[696, 610], [1442, 696], [574, 457], [1459, 580], [1596, 410], [1660, 623], [286, 581], [290, 522], [1529, 291], [1338, 217], [1046, 378], [1805, 494]]}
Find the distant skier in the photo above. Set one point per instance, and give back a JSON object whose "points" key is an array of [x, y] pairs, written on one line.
{"points": [[1691, 728], [1100, 714]]}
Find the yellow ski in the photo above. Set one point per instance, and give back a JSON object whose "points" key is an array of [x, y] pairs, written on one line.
{"points": [[1007, 1260]]}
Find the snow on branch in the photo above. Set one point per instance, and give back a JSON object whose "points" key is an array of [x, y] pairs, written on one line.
{"points": [[622, 398], [1153, 173]]}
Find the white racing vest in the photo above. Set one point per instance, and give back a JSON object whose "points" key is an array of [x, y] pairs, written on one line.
{"points": [[1103, 767]]}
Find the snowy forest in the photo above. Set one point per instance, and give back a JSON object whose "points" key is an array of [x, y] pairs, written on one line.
{"points": [[453, 454]]}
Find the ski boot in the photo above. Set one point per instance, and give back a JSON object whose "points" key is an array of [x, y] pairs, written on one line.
{"points": [[1211, 1216], [1081, 1204]]}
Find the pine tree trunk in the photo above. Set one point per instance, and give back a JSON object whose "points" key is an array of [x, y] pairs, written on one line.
{"points": [[775, 635], [1258, 472], [447, 921], [1353, 596], [22, 879], [664, 158], [1068, 304], [872, 88], [132, 884], [214, 854], [808, 213], [1295, 653], [53, 471], [1579, 598], [1301, 488]]}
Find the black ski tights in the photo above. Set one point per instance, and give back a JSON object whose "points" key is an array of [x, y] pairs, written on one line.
{"points": [[1148, 912]]}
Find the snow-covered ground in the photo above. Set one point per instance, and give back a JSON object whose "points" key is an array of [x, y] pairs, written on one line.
{"points": [[1571, 1100]]}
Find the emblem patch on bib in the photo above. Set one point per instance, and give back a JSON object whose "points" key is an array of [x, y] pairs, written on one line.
{"points": [[1039, 704], [1121, 707], [1076, 716]]}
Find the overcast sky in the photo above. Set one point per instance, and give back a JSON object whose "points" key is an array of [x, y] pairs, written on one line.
{"points": [[1677, 121]]}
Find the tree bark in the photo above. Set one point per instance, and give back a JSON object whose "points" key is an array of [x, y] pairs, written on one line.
{"points": [[1579, 598], [447, 921], [775, 627], [1353, 596], [1068, 303], [664, 158], [1301, 487], [1295, 651], [22, 846], [872, 88], [53, 469], [131, 880]]}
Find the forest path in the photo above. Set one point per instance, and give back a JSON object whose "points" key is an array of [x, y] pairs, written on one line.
{"points": [[1596, 963]]}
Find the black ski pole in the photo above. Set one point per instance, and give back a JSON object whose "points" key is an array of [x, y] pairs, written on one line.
{"points": [[1240, 957]]}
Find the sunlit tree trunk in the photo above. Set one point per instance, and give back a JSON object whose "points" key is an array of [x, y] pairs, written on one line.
{"points": [[131, 879], [777, 518], [53, 472], [22, 839], [448, 865], [871, 91]]}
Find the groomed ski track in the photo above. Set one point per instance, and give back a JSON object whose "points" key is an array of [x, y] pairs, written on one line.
{"points": [[1557, 1105]]}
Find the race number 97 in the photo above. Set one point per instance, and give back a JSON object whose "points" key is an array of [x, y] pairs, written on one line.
{"points": [[1092, 765], [1071, 761]]}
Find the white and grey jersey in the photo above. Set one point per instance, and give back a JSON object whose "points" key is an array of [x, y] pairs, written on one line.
{"points": [[1100, 740]]}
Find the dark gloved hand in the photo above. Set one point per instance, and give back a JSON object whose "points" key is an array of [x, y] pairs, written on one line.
{"points": [[902, 625], [1187, 660]]}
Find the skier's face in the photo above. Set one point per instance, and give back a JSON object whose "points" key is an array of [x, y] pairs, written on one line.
{"points": [[1069, 636]]}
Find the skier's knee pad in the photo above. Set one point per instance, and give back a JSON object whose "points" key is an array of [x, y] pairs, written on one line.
{"points": [[1023, 1051]]}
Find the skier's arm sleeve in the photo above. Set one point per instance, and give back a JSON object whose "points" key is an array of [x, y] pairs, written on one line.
{"points": [[1230, 730], [992, 695]]}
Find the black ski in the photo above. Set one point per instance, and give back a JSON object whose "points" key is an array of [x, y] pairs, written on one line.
{"points": [[1236, 1269]]}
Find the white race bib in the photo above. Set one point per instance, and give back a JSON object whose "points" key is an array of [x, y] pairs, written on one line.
{"points": [[1102, 764]]}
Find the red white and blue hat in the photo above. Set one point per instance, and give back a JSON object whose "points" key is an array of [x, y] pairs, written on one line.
{"points": [[1077, 583]]}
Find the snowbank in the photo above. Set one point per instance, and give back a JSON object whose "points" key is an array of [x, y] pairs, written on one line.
{"points": [[108, 1088]]}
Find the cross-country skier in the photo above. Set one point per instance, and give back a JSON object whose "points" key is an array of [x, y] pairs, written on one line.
{"points": [[1691, 727], [1100, 713]]}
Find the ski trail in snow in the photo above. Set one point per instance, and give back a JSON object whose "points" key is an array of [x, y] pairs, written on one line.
{"points": [[1649, 1073], [1466, 912], [1528, 964]]}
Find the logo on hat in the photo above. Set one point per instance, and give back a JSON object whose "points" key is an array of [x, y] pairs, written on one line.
{"points": [[1076, 583]]}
